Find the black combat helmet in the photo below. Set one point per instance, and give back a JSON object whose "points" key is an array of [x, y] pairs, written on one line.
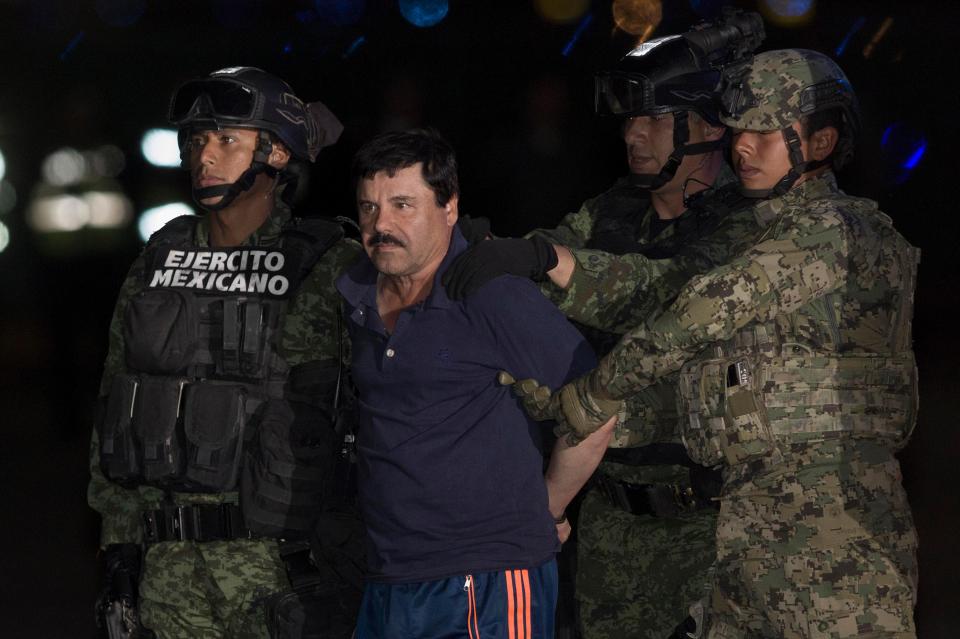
{"points": [[665, 75], [247, 97]]}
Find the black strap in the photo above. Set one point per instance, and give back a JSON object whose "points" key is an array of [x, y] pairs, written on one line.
{"points": [[657, 500], [196, 522]]}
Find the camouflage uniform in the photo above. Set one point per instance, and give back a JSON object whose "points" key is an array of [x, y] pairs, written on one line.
{"points": [[800, 381], [637, 573], [214, 588]]}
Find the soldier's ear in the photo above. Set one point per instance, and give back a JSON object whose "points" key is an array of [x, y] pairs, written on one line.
{"points": [[713, 132], [279, 156], [822, 142]]}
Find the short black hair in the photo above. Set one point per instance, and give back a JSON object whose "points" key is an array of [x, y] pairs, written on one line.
{"points": [[395, 150], [810, 124]]}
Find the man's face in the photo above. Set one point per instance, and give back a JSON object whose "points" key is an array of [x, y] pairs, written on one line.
{"points": [[649, 142], [220, 157], [404, 231], [760, 158]]}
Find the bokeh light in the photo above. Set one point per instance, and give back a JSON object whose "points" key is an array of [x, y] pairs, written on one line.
{"points": [[4, 237], [107, 161], [58, 213], [161, 148], [8, 197], [340, 12], [65, 212], [788, 13], [64, 167], [120, 13], [638, 17], [424, 13], [903, 148], [152, 220], [108, 209], [561, 11], [3, 165]]}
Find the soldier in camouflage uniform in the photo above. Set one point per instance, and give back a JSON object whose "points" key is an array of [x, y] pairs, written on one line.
{"points": [[797, 376], [224, 355], [646, 527]]}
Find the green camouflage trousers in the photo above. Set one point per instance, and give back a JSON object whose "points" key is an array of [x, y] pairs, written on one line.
{"points": [[820, 545], [636, 574], [211, 590]]}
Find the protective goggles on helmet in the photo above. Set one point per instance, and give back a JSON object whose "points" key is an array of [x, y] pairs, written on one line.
{"points": [[622, 94], [215, 98]]}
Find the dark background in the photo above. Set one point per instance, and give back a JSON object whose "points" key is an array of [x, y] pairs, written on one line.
{"points": [[491, 76]]}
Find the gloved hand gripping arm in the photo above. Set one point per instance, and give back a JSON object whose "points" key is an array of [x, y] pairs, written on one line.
{"points": [[531, 258]]}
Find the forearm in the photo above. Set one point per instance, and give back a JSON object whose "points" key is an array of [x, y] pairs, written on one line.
{"points": [[571, 466], [560, 274]]}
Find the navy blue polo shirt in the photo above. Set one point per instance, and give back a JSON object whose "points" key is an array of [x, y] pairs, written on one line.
{"points": [[450, 466]]}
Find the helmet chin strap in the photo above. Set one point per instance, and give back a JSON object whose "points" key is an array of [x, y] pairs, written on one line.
{"points": [[229, 192], [681, 133], [797, 168]]}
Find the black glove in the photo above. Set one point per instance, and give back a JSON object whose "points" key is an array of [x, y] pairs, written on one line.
{"points": [[473, 229], [486, 260]]}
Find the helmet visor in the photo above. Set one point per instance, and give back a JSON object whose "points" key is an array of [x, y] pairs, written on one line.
{"points": [[621, 94], [212, 98]]}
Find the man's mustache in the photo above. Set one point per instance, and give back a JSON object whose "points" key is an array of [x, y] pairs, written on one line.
{"points": [[383, 238]]}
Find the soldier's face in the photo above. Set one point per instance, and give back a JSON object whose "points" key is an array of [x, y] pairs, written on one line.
{"points": [[761, 158], [649, 140], [221, 157], [404, 231]]}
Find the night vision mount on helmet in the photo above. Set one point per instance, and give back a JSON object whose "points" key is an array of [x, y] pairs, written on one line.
{"points": [[781, 87], [676, 74], [250, 98]]}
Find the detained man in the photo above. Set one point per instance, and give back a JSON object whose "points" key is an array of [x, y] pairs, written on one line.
{"points": [[461, 541]]}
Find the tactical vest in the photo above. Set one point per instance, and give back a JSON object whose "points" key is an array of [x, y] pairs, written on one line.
{"points": [[207, 394], [771, 386]]}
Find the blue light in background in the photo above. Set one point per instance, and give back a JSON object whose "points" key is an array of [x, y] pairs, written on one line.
{"points": [[121, 13], [354, 46], [903, 147], [584, 23], [914, 159], [424, 13], [340, 12], [857, 25], [789, 8], [71, 46]]}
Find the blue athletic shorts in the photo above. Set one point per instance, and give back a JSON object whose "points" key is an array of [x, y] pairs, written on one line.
{"points": [[509, 604]]}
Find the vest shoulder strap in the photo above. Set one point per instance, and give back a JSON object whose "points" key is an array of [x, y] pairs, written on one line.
{"points": [[309, 239]]}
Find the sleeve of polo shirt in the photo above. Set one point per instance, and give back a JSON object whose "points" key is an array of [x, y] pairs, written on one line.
{"points": [[533, 338]]}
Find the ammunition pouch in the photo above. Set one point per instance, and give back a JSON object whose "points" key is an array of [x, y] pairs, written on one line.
{"points": [[740, 408], [727, 417], [174, 433]]}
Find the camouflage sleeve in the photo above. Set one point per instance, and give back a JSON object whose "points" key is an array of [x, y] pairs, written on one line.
{"points": [[801, 260], [616, 293], [573, 231], [119, 507], [310, 328]]}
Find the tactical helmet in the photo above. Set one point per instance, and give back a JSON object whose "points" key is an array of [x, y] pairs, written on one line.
{"points": [[665, 75], [247, 97], [784, 86]]}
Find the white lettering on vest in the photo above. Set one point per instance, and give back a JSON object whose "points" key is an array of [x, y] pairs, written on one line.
{"points": [[232, 260], [202, 260], [258, 283], [173, 258], [278, 285], [217, 262], [161, 278], [273, 261]]}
